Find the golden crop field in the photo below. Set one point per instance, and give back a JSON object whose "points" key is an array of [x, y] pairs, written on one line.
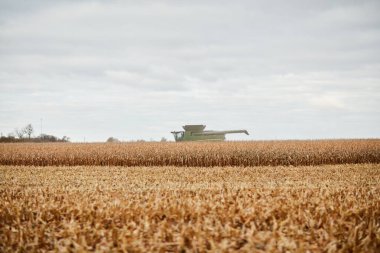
{"points": [[259, 196], [199, 154], [329, 208]]}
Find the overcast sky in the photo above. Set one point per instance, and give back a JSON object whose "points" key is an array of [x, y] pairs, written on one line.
{"points": [[140, 69]]}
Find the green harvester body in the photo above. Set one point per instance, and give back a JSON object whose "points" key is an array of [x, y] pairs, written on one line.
{"points": [[197, 133]]}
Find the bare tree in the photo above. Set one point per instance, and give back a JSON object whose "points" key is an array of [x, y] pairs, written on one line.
{"points": [[112, 139], [28, 130], [19, 133], [65, 139]]}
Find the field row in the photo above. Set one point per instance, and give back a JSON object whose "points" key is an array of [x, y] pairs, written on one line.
{"points": [[140, 209], [200, 154]]}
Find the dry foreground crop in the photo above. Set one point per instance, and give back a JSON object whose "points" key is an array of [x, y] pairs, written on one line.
{"points": [[325, 208]]}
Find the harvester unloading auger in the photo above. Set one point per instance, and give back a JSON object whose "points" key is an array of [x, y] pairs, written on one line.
{"points": [[197, 133]]}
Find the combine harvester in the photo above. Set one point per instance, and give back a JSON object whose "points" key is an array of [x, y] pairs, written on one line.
{"points": [[197, 133]]}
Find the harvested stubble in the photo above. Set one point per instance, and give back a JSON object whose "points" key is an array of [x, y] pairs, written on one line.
{"points": [[158, 209], [207, 154]]}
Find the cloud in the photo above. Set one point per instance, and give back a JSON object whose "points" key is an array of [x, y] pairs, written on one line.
{"points": [[328, 102], [123, 67], [158, 79]]}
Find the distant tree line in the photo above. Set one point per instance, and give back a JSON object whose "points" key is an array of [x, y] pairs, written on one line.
{"points": [[25, 135], [115, 140]]}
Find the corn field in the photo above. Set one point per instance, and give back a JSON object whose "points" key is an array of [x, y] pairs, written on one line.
{"points": [[330, 208], [261, 196], [196, 154]]}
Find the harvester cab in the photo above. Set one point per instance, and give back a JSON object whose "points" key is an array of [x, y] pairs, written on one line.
{"points": [[197, 133]]}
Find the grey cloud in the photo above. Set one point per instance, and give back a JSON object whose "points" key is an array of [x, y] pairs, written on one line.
{"points": [[127, 68]]}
